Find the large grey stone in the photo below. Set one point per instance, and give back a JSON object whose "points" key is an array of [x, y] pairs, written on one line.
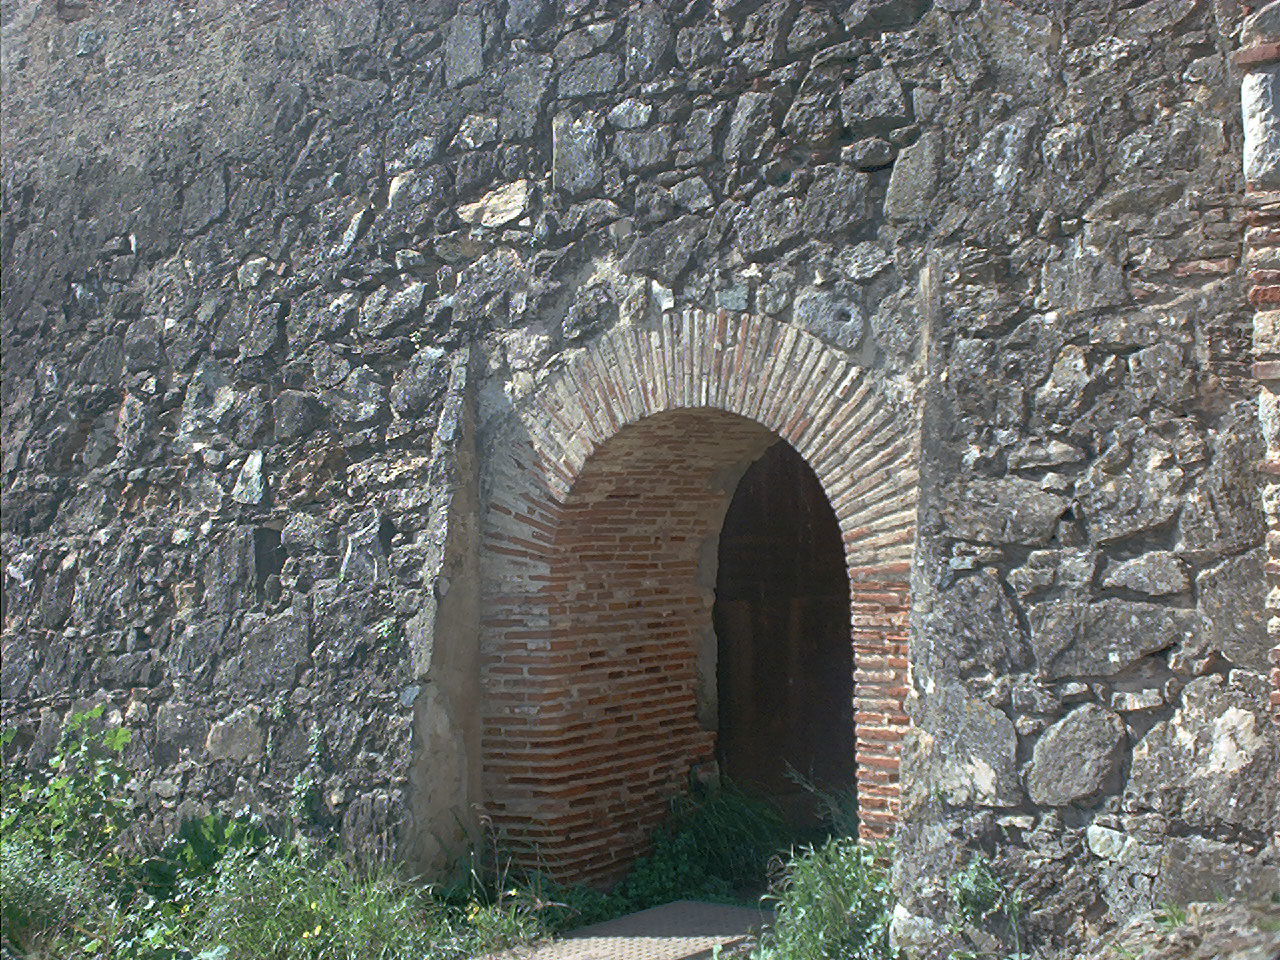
{"points": [[1069, 571], [1086, 277], [589, 76], [575, 153], [644, 149], [966, 750], [974, 623], [1214, 764], [835, 315], [250, 485], [649, 42], [837, 200], [499, 206], [463, 50], [1002, 511], [874, 103], [296, 414], [389, 309], [665, 252], [272, 652], [870, 17], [1260, 110], [1262, 26], [1156, 574], [238, 737], [1078, 758], [364, 559], [772, 220], [1135, 486], [1198, 869], [1223, 512], [360, 400], [747, 126], [1073, 637], [1203, 931], [524, 90], [525, 16], [1232, 598], [422, 380], [813, 118], [915, 174]]}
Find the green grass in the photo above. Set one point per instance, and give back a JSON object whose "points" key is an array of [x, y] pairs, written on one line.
{"points": [[218, 890], [44, 898], [228, 889], [296, 908], [833, 902]]}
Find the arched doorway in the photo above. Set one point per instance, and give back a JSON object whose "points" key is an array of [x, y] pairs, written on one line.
{"points": [[604, 496]]}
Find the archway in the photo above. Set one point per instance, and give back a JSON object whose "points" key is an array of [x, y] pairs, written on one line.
{"points": [[604, 496]]}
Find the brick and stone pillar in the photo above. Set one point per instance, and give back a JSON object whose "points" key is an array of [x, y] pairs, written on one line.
{"points": [[1259, 59]]}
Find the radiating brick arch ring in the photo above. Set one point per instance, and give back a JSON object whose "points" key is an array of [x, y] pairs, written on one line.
{"points": [[603, 498]]}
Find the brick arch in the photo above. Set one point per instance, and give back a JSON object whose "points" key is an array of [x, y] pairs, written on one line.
{"points": [[605, 492]]}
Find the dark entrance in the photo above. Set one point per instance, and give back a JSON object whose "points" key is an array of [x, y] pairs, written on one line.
{"points": [[784, 666]]}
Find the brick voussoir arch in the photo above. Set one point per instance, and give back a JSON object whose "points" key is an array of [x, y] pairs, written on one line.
{"points": [[602, 491]]}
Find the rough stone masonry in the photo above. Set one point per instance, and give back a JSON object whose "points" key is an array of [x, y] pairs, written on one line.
{"points": [[342, 341]]}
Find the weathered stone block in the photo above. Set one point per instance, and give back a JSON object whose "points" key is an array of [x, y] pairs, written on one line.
{"points": [[874, 103], [296, 414], [1073, 637], [463, 50], [1135, 486], [1260, 109], [1078, 758], [1003, 511], [967, 751], [914, 177], [1156, 574], [238, 737], [575, 153], [1214, 764], [1232, 599]]}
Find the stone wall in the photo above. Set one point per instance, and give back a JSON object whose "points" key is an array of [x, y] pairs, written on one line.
{"points": [[280, 277]]}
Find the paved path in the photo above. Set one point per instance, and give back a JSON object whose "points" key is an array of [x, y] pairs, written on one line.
{"points": [[684, 930]]}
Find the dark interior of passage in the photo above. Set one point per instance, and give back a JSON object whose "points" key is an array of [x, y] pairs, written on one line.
{"points": [[784, 669]]}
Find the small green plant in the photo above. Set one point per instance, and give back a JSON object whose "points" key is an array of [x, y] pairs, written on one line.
{"points": [[1170, 916], [837, 809], [834, 901], [80, 805], [980, 897], [219, 889], [59, 835], [717, 846]]}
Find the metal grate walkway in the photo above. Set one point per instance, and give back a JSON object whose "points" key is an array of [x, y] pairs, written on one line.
{"points": [[684, 930]]}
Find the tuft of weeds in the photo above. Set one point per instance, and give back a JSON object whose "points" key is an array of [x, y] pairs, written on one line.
{"points": [[834, 901], [219, 889], [716, 846], [1170, 916], [981, 897]]}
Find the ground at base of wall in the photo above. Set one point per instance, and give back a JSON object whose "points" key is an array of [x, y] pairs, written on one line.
{"points": [[1200, 931], [684, 930]]}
